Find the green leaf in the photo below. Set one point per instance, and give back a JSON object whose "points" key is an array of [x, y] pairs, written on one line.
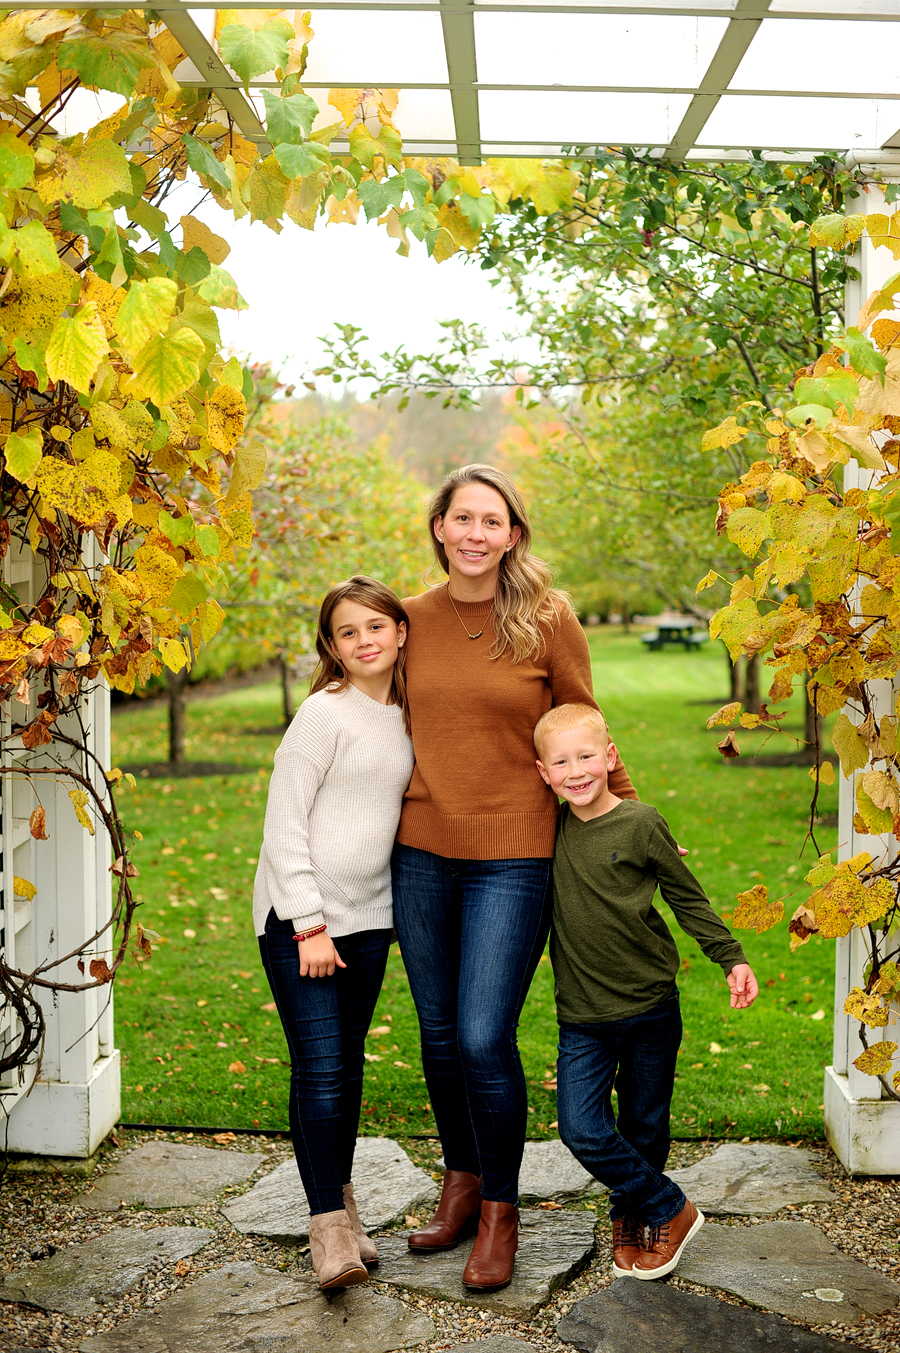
{"points": [[804, 412], [220, 290], [88, 179], [23, 453], [377, 197], [29, 251], [363, 145], [864, 356], [193, 266], [202, 319], [478, 211], [16, 162], [188, 593], [419, 220], [200, 157], [168, 365], [112, 61], [290, 119], [208, 540], [835, 387], [252, 52], [146, 310], [303, 160], [149, 218], [391, 146], [29, 360], [76, 348], [177, 529]]}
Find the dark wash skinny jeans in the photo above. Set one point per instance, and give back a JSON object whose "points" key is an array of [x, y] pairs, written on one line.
{"points": [[471, 933], [325, 1022], [638, 1056]]}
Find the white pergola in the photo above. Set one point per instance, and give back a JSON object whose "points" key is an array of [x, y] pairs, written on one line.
{"points": [[702, 81]]}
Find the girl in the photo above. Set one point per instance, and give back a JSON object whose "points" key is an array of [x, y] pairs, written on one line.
{"points": [[322, 897], [491, 651]]}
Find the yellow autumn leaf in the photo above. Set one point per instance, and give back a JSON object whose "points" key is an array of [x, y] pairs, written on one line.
{"points": [[881, 788], [867, 1008], [145, 311], [168, 365], [225, 413], [173, 654], [755, 912], [107, 299], [725, 715], [31, 306], [196, 234], [826, 773], [849, 745], [76, 347], [22, 888], [247, 472], [748, 528], [876, 1060], [156, 570], [79, 803], [726, 434]]}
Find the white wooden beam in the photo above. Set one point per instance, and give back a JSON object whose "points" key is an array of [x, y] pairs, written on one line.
{"points": [[459, 46]]}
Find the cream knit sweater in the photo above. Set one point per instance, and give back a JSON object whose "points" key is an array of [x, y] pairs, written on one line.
{"points": [[332, 813]]}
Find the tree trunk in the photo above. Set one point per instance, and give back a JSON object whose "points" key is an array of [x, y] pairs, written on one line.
{"points": [[177, 682], [812, 727], [751, 685], [287, 707], [626, 616], [734, 678]]}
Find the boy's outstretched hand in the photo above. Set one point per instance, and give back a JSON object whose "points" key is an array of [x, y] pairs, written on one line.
{"points": [[743, 986]]}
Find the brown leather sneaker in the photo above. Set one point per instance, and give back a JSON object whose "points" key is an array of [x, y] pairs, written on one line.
{"points": [[628, 1243], [665, 1243], [490, 1264], [456, 1215]]}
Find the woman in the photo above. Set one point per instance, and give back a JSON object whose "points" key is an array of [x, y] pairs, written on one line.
{"points": [[488, 653]]}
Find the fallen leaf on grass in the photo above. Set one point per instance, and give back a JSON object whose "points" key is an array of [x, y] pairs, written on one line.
{"points": [[223, 1138], [237, 1068]]}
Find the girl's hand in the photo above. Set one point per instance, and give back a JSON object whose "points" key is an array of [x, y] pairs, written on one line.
{"points": [[318, 956], [743, 986]]}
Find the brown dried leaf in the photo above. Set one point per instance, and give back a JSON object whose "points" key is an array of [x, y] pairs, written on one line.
{"points": [[99, 969], [728, 746], [37, 822]]}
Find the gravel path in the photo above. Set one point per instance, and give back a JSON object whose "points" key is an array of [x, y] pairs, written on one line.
{"points": [[38, 1216]]}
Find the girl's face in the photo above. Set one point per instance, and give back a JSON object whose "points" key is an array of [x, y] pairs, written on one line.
{"points": [[476, 532], [365, 642]]}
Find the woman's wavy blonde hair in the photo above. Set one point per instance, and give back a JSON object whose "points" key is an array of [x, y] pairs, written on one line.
{"points": [[525, 598], [329, 673]]}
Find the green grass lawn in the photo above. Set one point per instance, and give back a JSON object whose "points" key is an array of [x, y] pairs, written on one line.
{"points": [[203, 1045]]}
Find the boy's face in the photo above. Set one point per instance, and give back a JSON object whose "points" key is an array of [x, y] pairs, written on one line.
{"points": [[575, 763]]}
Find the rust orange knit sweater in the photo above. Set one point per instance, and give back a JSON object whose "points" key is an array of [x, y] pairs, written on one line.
{"points": [[475, 792]]}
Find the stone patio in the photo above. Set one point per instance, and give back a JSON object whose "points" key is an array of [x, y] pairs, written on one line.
{"points": [[173, 1247]]}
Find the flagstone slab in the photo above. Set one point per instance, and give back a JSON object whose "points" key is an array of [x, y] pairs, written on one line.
{"points": [[249, 1308], [169, 1174], [550, 1173], [632, 1314], [750, 1180], [789, 1267], [554, 1247], [386, 1184], [80, 1279]]}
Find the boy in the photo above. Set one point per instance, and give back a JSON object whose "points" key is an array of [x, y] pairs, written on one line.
{"points": [[614, 963]]}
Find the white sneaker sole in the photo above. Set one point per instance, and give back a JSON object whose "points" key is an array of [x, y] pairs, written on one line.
{"points": [[621, 1272], [648, 1275]]}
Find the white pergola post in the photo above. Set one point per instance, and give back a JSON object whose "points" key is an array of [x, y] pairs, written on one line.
{"points": [[862, 1123], [67, 1105]]}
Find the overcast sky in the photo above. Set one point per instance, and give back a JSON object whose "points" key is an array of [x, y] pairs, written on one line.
{"points": [[299, 284]]}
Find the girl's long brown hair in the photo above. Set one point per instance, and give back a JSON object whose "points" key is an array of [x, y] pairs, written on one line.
{"points": [[369, 592], [525, 598]]}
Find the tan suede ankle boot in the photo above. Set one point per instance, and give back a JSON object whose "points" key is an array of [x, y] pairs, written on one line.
{"points": [[334, 1251], [367, 1251]]}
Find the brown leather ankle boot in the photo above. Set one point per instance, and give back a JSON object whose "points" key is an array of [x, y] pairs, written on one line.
{"points": [[491, 1262], [456, 1214]]}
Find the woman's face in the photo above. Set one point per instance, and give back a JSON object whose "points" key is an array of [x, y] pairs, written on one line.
{"points": [[476, 532]]}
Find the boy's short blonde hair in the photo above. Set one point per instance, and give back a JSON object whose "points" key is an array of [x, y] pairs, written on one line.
{"points": [[569, 716]]}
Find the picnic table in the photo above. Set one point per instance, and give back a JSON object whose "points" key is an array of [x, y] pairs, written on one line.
{"points": [[684, 630]]}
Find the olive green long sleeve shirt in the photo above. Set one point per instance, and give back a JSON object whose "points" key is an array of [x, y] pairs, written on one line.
{"points": [[613, 954]]}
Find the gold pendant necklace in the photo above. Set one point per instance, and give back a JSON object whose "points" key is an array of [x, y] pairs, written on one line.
{"points": [[463, 623]]}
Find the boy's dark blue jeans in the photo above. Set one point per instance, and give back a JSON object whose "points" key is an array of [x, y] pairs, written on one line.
{"points": [[325, 1022], [637, 1055]]}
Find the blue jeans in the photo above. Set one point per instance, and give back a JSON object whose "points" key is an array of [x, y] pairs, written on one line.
{"points": [[471, 933], [638, 1054], [325, 1022]]}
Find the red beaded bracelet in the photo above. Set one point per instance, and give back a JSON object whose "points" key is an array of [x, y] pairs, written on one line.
{"points": [[308, 934]]}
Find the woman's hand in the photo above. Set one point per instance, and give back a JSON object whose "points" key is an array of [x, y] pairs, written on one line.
{"points": [[318, 956]]}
